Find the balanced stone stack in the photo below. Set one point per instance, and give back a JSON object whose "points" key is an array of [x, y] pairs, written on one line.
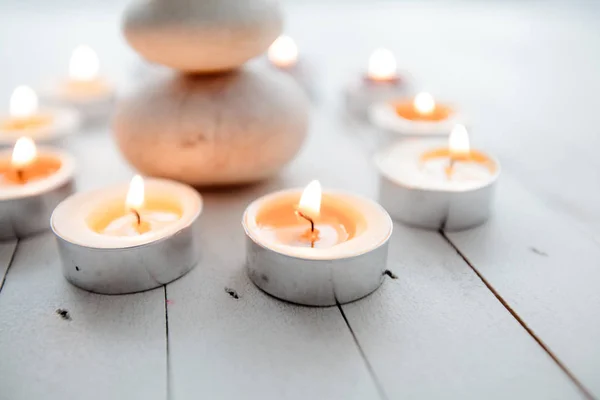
{"points": [[214, 121]]}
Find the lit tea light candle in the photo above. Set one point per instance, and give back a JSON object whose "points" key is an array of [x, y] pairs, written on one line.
{"points": [[128, 238], [32, 182], [380, 83], [283, 55], [420, 115], [316, 248], [84, 88], [438, 185], [382, 66], [26, 118]]}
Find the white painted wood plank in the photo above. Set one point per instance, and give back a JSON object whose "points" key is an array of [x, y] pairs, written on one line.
{"points": [[7, 249], [254, 347], [113, 347], [438, 332], [546, 270], [257, 347]]}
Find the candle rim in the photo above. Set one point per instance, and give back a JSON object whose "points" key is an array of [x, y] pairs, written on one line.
{"points": [[65, 121], [191, 208], [347, 248], [424, 146], [383, 114], [61, 177]]}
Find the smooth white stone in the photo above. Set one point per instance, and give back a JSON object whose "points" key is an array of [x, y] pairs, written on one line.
{"points": [[202, 35], [231, 128]]}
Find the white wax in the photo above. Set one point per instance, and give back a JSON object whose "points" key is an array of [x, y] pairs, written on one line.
{"points": [[126, 225], [329, 236], [368, 236], [383, 115], [64, 121], [402, 164], [38, 186], [69, 219], [90, 105]]}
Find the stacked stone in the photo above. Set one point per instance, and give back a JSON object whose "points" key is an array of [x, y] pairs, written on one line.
{"points": [[215, 121]]}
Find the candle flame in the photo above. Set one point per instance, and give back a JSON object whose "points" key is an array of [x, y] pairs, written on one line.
{"points": [[23, 153], [84, 64], [382, 65], [135, 195], [283, 52], [310, 202], [23, 102], [424, 103], [459, 142]]}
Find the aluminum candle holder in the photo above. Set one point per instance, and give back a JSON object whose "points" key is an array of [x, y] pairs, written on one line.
{"points": [[130, 270], [117, 265], [450, 207], [26, 210], [323, 281], [361, 95]]}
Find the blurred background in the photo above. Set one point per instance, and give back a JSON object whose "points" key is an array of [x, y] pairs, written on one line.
{"points": [[525, 72]]}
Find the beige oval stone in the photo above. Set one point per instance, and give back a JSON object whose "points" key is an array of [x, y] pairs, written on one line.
{"points": [[202, 35], [232, 128]]}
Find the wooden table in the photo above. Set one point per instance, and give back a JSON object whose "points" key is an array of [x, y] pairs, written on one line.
{"points": [[508, 310]]}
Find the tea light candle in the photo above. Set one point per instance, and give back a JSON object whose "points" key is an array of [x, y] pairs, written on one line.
{"points": [[283, 55], [438, 185], [316, 248], [380, 83], [420, 115], [26, 118], [125, 239], [32, 182], [84, 88]]}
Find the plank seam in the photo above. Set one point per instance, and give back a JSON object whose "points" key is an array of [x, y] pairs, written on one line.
{"points": [[363, 355], [516, 316], [167, 344], [10, 262]]}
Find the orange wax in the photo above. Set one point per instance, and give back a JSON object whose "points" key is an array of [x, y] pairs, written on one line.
{"points": [[80, 88], [114, 219], [406, 110], [24, 123], [383, 81], [473, 156], [40, 168], [336, 223]]}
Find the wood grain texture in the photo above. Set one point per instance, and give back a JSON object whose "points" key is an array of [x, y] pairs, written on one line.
{"points": [[437, 331], [256, 347], [112, 347], [546, 270], [7, 250]]}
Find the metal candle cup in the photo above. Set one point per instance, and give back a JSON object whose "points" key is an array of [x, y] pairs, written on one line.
{"points": [[283, 55], [108, 264], [83, 90], [43, 124], [380, 83], [25, 209], [414, 196], [418, 116], [326, 276]]}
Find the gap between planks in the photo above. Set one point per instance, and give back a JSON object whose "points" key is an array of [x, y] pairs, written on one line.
{"points": [[10, 262], [516, 316], [363, 355], [169, 392]]}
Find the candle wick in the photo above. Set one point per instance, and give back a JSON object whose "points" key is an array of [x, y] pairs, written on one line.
{"points": [[312, 223], [137, 216], [450, 168], [20, 176]]}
